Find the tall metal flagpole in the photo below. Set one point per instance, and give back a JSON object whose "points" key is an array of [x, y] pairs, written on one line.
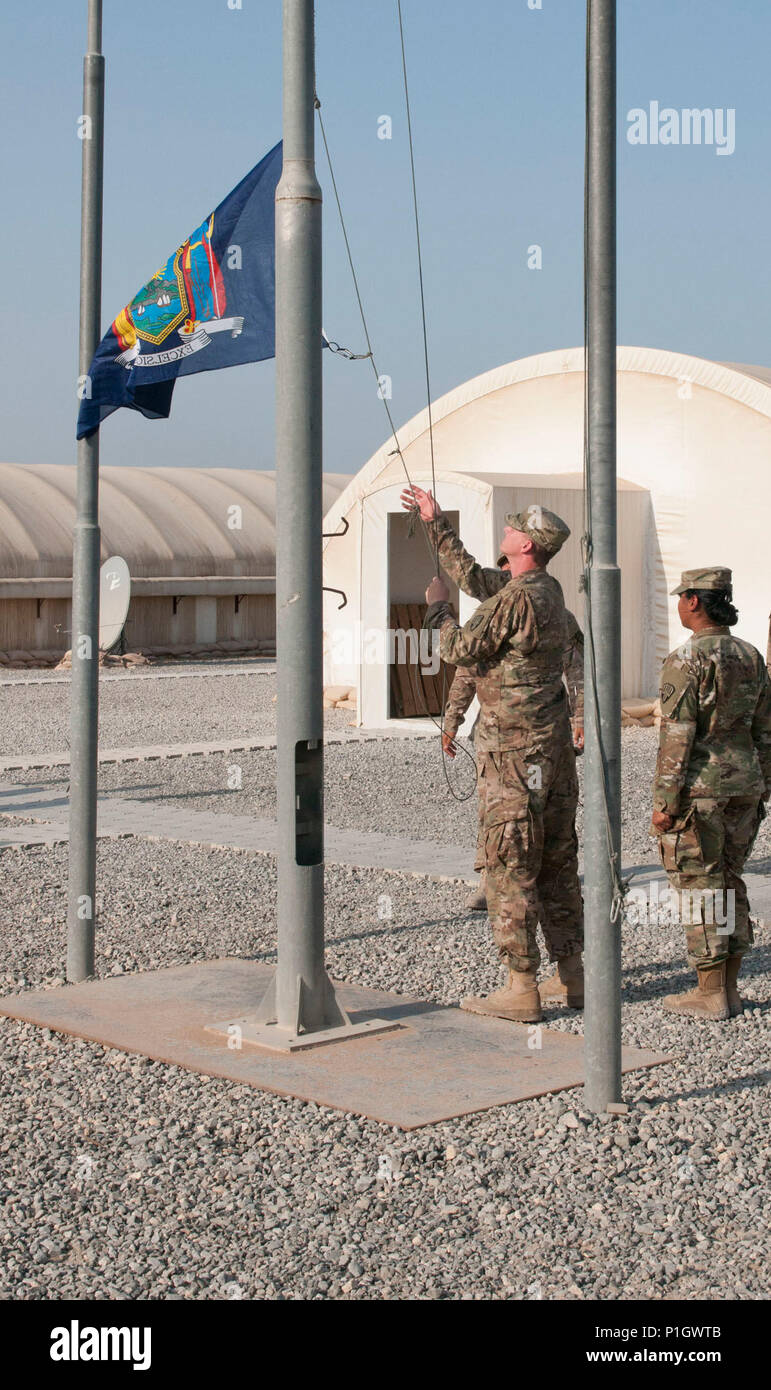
{"points": [[602, 814], [86, 539], [299, 1004], [303, 997]]}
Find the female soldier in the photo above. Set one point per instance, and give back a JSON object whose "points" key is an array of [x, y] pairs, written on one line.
{"points": [[712, 776]]}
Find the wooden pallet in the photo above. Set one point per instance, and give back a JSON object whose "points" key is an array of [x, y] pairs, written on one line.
{"points": [[414, 691]]}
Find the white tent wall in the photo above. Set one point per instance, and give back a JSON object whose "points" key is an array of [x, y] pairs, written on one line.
{"points": [[342, 559], [705, 457], [564, 495]]}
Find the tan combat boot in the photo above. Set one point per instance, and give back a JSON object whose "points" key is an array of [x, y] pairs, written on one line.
{"points": [[518, 1001], [566, 985], [477, 900], [735, 1001], [707, 1000]]}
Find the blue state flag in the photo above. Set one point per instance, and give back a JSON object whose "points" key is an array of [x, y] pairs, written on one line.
{"points": [[213, 304]]}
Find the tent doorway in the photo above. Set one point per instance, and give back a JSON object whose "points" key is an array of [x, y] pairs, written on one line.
{"points": [[418, 681]]}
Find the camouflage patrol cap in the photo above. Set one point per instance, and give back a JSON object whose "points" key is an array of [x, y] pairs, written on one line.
{"points": [[714, 578], [542, 526]]}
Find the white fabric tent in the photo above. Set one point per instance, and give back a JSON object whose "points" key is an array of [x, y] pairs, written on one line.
{"points": [[694, 449]]}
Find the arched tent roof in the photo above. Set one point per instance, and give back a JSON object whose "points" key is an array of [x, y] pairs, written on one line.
{"points": [[476, 411], [163, 521]]}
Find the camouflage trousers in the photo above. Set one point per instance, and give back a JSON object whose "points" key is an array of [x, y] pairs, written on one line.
{"points": [[480, 862], [530, 848], [703, 855]]}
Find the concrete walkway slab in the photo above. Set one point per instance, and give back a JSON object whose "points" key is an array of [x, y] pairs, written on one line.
{"points": [[119, 816], [440, 1063], [46, 809], [153, 752], [266, 668]]}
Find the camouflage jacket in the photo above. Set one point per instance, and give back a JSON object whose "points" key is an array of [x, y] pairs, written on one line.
{"points": [[464, 685], [715, 736], [515, 642], [462, 692], [573, 668]]}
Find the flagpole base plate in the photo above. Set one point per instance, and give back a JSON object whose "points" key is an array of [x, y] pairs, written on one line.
{"points": [[251, 1031]]}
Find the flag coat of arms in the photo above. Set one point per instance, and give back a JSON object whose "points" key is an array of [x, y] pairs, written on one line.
{"points": [[213, 304]]}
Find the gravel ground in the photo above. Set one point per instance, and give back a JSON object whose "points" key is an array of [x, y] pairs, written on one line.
{"points": [[126, 1178], [135, 712], [121, 1177], [392, 786]]}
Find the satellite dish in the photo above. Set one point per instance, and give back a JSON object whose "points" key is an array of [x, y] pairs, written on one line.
{"points": [[114, 595]]}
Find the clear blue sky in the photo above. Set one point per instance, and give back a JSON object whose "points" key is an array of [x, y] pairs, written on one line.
{"points": [[194, 100]]}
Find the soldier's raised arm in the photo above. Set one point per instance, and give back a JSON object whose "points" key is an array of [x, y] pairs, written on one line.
{"points": [[678, 698], [493, 624], [478, 581], [474, 579]]}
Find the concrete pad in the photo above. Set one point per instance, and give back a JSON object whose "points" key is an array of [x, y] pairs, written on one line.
{"points": [[440, 1063]]}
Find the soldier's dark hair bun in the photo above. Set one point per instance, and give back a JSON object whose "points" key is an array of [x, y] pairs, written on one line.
{"points": [[717, 605]]}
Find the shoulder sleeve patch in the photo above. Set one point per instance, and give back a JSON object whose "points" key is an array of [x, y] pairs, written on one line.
{"points": [[477, 620], [676, 681]]}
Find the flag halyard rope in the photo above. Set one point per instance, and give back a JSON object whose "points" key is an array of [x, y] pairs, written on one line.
{"points": [[369, 355]]}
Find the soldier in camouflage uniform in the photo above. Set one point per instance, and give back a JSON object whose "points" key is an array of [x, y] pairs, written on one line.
{"points": [[713, 775], [516, 640], [462, 692]]}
